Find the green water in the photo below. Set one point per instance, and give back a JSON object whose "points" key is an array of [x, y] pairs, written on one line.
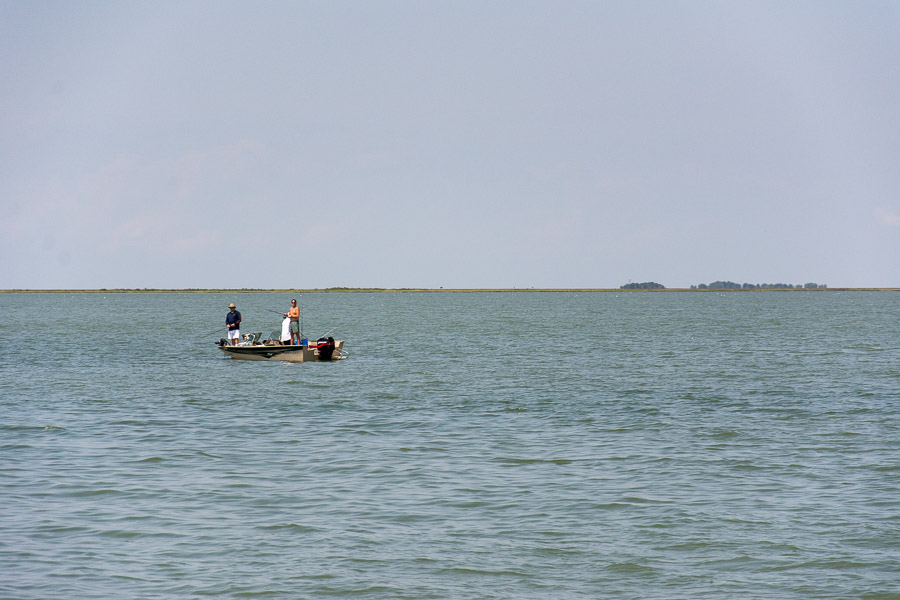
{"points": [[474, 445]]}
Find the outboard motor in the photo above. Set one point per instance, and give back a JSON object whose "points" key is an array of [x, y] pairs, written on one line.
{"points": [[325, 347]]}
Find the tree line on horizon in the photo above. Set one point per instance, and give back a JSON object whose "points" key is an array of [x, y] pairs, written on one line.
{"points": [[647, 285], [728, 285]]}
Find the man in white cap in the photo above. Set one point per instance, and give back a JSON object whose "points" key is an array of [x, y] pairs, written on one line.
{"points": [[233, 324]]}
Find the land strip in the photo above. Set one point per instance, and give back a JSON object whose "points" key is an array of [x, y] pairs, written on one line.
{"points": [[422, 290]]}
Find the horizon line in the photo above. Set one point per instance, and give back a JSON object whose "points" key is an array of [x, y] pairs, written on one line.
{"points": [[420, 290]]}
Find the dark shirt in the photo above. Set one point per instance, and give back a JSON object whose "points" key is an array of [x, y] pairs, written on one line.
{"points": [[233, 320]]}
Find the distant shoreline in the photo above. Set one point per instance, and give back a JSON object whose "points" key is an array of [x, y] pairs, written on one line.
{"points": [[425, 290]]}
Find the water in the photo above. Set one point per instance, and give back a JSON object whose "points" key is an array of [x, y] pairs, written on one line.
{"points": [[480, 445]]}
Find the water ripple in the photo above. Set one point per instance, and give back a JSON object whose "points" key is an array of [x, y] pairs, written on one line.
{"points": [[682, 446]]}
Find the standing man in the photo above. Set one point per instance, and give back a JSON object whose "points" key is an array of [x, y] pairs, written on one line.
{"points": [[233, 324], [294, 315]]}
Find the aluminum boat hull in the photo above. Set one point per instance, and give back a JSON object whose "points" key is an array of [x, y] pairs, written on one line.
{"points": [[283, 353]]}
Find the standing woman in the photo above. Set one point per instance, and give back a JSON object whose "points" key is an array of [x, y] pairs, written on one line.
{"points": [[233, 325], [294, 315]]}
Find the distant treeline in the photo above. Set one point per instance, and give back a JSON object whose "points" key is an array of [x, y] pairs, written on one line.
{"points": [[647, 285], [730, 285]]}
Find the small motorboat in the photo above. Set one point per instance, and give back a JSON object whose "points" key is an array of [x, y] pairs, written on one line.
{"points": [[251, 348]]}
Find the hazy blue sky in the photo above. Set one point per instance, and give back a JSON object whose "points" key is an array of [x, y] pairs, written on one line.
{"points": [[516, 143]]}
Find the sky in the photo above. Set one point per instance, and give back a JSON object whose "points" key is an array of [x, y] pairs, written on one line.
{"points": [[456, 144]]}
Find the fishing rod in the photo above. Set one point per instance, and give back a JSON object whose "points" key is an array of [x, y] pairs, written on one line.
{"points": [[327, 332]]}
